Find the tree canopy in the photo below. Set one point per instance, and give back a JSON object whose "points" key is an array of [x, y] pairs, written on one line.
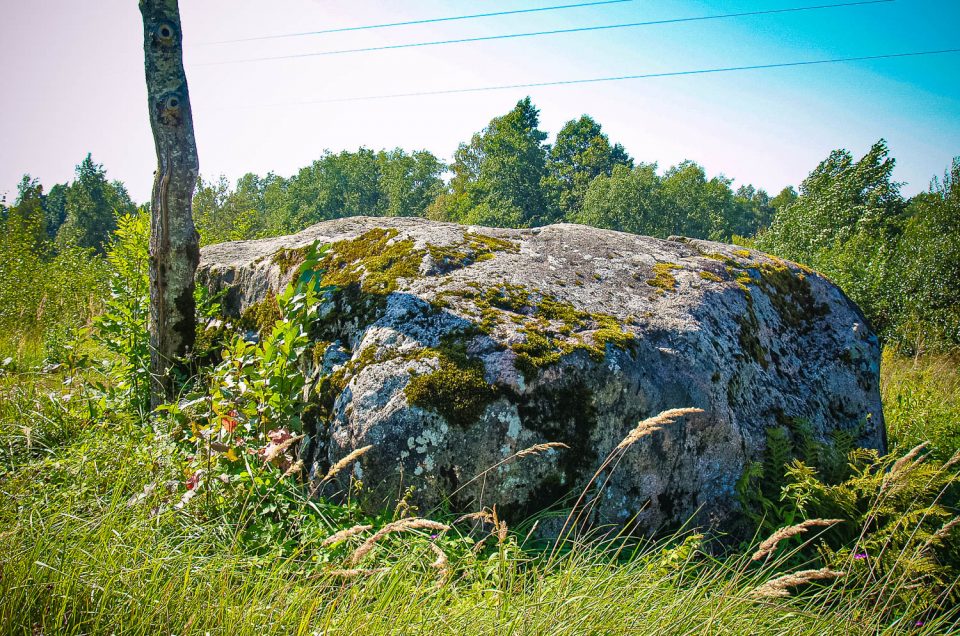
{"points": [[91, 205]]}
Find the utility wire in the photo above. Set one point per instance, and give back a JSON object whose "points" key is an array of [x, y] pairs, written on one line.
{"points": [[554, 32], [425, 21], [595, 80]]}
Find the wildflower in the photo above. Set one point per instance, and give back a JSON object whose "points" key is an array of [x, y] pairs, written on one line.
{"points": [[861, 555]]}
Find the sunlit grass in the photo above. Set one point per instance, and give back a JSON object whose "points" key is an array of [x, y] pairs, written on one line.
{"points": [[921, 401], [85, 549]]}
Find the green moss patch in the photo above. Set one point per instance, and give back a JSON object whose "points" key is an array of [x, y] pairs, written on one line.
{"points": [[374, 260], [377, 259], [705, 275], [318, 351], [552, 328], [663, 278], [261, 316], [538, 351], [288, 259], [457, 389], [485, 245], [790, 294]]}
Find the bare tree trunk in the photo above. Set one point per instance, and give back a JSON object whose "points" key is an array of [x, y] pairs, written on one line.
{"points": [[174, 243]]}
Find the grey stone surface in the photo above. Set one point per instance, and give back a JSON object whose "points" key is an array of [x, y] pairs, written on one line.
{"points": [[633, 325]]}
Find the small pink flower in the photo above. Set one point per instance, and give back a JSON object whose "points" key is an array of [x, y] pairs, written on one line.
{"points": [[862, 555]]}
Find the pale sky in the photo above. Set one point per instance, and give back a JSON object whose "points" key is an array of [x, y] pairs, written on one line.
{"points": [[72, 78]]}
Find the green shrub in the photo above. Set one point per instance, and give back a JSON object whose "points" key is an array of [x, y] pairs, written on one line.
{"points": [[899, 541], [44, 294], [122, 327]]}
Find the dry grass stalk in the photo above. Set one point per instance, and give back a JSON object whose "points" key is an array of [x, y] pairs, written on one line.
{"points": [[655, 423], [768, 546], [280, 449], [352, 574], [294, 469], [950, 462], [536, 449], [441, 561], [647, 426], [404, 525], [908, 459], [346, 461], [780, 586], [482, 515], [944, 532], [344, 534], [893, 480]]}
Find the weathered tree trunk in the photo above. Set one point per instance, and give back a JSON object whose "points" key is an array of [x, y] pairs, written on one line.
{"points": [[174, 243]]}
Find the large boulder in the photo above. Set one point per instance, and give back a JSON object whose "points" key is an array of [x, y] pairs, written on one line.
{"points": [[451, 348]]}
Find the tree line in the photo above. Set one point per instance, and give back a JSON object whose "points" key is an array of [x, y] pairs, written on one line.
{"points": [[505, 176], [898, 258]]}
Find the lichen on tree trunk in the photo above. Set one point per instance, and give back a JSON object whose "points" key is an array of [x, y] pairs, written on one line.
{"points": [[174, 243]]}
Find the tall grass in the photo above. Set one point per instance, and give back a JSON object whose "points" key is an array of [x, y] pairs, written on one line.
{"points": [[44, 297], [921, 401], [91, 542], [83, 561]]}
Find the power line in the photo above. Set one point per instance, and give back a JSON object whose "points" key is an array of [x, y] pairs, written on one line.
{"points": [[595, 80], [554, 32], [425, 21]]}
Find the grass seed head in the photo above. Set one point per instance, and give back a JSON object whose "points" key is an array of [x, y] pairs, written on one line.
{"points": [[345, 534], [780, 586], [356, 572], [768, 546], [482, 515], [536, 449], [403, 525], [276, 451], [346, 461], [655, 423]]}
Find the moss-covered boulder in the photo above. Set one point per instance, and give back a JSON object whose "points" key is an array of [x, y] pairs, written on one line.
{"points": [[451, 348]]}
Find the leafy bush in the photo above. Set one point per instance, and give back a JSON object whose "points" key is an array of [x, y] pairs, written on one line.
{"points": [[898, 260], [242, 428], [44, 295], [122, 328], [899, 539]]}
